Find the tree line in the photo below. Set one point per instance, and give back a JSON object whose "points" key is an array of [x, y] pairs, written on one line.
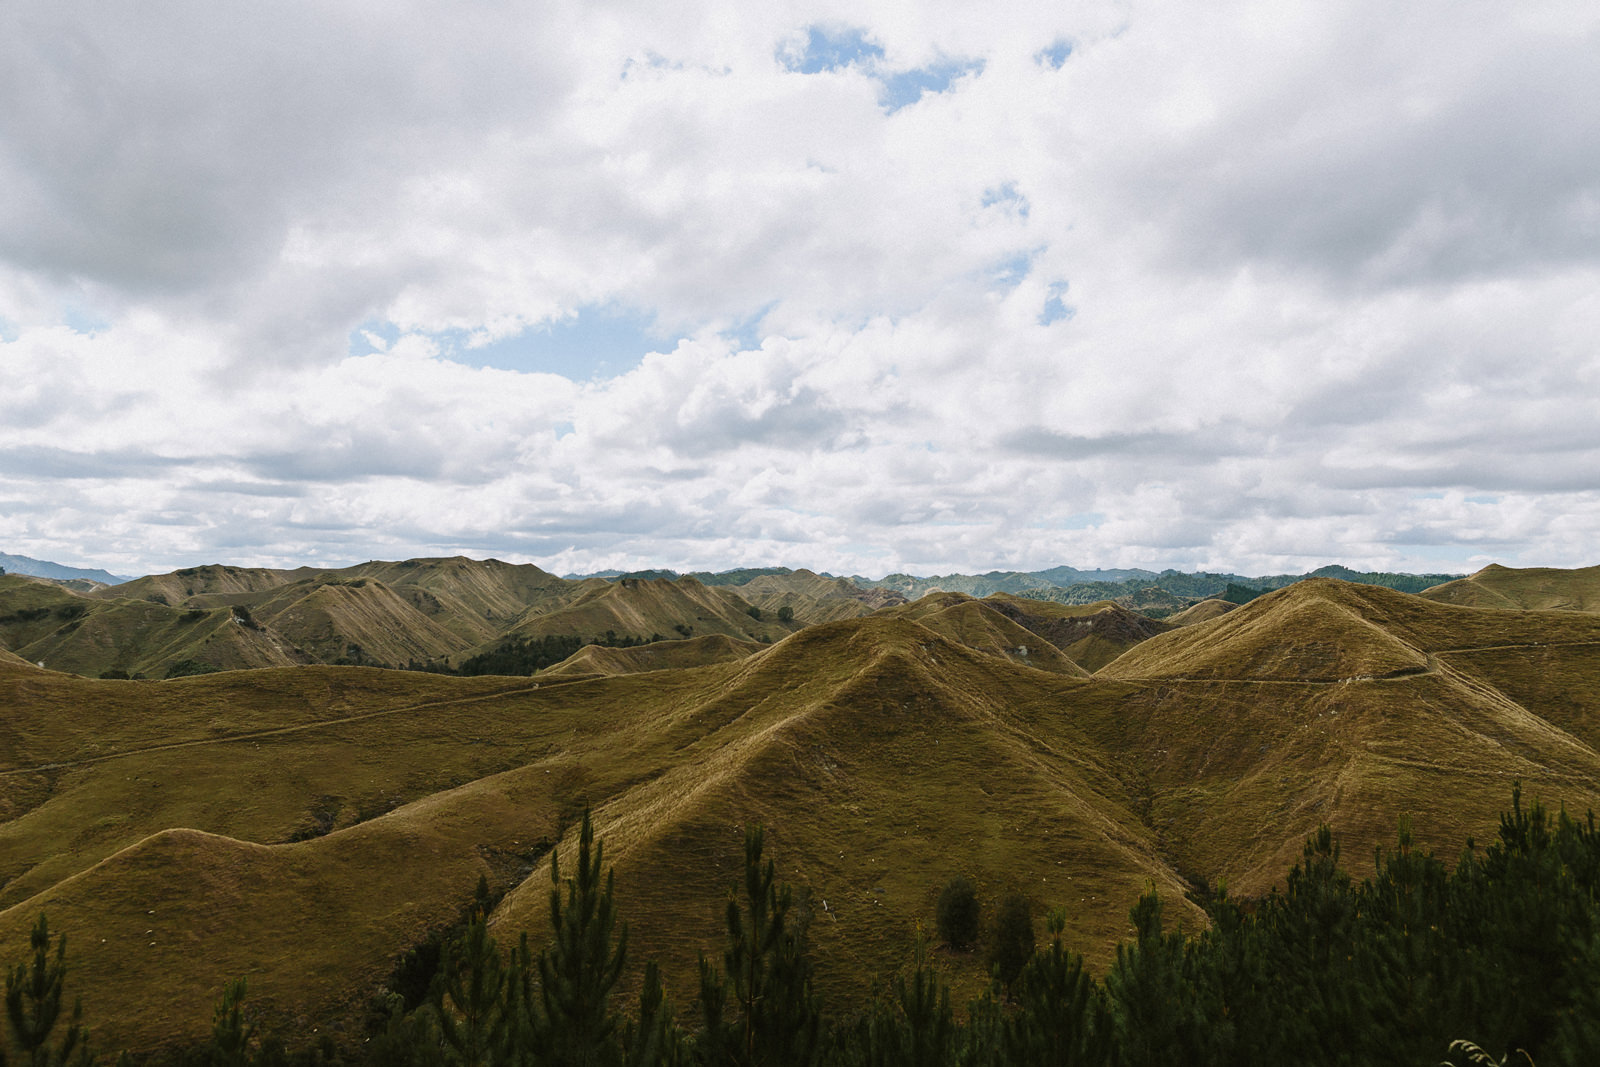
{"points": [[1495, 961]]}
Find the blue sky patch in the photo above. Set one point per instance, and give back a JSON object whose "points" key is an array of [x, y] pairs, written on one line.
{"points": [[1054, 56], [1056, 309], [1009, 272], [1007, 196], [831, 49], [904, 88], [599, 342]]}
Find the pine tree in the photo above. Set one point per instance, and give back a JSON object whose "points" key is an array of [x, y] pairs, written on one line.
{"points": [[1062, 1020], [581, 965], [33, 1005], [768, 978], [655, 1040], [230, 1034], [922, 1033], [467, 998]]}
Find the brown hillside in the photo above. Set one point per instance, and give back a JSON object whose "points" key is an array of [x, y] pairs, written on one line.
{"points": [[355, 618], [213, 579], [1091, 635], [882, 759], [42, 622], [1316, 630], [1204, 611], [978, 624], [812, 597], [639, 607], [656, 656], [304, 826], [1535, 588]]}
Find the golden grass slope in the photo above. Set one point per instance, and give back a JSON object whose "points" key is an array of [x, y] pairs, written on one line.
{"points": [[978, 625], [43, 622], [1314, 630], [641, 607], [882, 756], [1534, 588], [1204, 611], [812, 597], [594, 660]]}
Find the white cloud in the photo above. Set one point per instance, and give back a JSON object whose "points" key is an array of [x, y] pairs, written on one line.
{"points": [[1331, 272]]}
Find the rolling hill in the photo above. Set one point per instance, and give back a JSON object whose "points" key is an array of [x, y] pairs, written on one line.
{"points": [[1535, 588], [302, 826]]}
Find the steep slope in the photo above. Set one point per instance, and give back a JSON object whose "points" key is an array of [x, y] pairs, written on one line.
{"points": [[1327, 702], [981, 625], [638, 607], [474, 598], [882, 760], [359, 619], [1316, 630], [1091, 635], [304, 826], [655, 656], [1204, 611], [814, 598], [1534, 588], [215, 579], [93, 635]]}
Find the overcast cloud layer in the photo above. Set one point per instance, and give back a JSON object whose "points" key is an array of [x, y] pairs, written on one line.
{"points": [[861, 287]]}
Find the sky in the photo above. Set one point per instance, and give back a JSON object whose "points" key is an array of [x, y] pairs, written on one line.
{"points": [[861, 287]]}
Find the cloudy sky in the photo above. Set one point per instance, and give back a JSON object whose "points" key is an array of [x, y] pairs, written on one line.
{"points": [[860, 287]]}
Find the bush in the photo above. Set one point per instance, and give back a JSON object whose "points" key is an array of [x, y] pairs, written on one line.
{"points": [[957, 913], [1012, 941], [786, 614]]}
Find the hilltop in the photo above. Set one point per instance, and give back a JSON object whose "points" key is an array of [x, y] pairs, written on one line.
{"points": [[304, 825]]}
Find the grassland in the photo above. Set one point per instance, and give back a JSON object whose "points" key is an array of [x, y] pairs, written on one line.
{"points": [[303, 825]]}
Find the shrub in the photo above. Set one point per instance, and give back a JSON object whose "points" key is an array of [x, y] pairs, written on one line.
{"points": [[786, 614], [1012, 940], [957, 913]]}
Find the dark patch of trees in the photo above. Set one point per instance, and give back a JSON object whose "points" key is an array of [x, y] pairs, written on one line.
{"points": [[525, 655], [1496, 961]]}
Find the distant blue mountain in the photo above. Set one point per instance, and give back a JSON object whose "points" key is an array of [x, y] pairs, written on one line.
{"points": [[39, 568]]}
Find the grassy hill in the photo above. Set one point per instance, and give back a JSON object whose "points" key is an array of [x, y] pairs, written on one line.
{"points": [[655, 656], [1535, 588], [422, 612], [302, 826]]}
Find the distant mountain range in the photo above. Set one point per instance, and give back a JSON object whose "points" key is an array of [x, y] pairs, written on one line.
{"points": [[40, 568], [1069, 585]]}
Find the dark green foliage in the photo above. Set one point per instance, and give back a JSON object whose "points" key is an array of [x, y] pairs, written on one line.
{"points": [[1240, 594], [525, 655], [187, 668], [1063, 1018], [920, 1029], [958, 913], [654, 1040], [762, 1011], [579, 969], [33, 1006], [467, 1000], [1011, 939], [754, 612], [230, 1034], [786, 614]]}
